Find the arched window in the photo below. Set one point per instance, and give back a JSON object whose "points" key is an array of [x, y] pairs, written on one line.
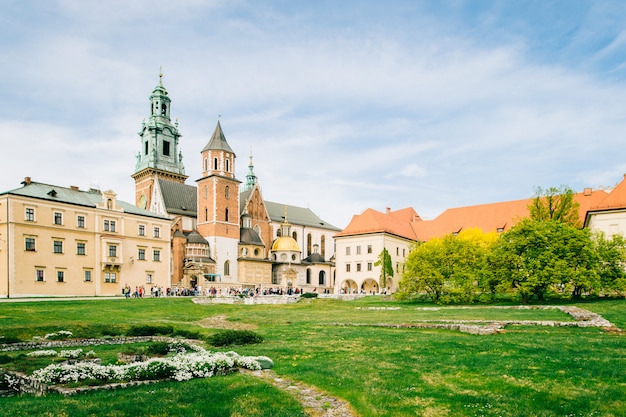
{"points": [[206, 214], [226, 214], [323, 246], [206, 192], [215, 164], [163, 110], [322, 278], [206, 164], [227, 268], [279, 233], [294, 235], [227, 193], [309, 243], [227, 165], [308, 275]]}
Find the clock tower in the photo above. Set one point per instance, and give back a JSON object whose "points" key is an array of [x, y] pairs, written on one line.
{"points": [[159, 156]]}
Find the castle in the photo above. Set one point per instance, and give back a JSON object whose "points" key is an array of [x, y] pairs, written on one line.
{"points": [[224, 233]]}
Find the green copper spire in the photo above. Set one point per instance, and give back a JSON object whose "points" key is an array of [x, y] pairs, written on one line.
{"points": [[159, 136], [251, 177]]}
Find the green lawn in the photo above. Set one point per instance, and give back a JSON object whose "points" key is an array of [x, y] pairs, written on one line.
{"points": [[525, 371]]}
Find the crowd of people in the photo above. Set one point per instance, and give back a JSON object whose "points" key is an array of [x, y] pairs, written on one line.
{"points": [[157, 291]]}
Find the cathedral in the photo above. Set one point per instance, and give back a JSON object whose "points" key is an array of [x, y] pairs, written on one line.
{"points": [[224, 235]]}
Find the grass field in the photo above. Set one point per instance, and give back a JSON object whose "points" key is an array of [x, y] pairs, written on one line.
{"points": [[524, 371]]}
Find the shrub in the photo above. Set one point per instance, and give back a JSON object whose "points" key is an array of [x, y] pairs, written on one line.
{"points": [[148, 330], [309, 295], [159, 348], [187, 334], [9, 339], [5, 358], [234, 337]]}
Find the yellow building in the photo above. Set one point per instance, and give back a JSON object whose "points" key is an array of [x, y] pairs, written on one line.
{"points": [[57, 241]]}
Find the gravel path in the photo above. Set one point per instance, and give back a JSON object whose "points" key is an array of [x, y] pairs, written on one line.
{"points": [[316, 403]]}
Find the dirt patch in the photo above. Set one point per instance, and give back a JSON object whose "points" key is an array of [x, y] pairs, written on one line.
{"points": [[222, 322]]}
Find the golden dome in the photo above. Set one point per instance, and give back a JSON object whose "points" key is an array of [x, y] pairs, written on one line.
{"points": [[285, 243]]}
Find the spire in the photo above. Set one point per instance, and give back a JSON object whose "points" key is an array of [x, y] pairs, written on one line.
{"points": [[218, 141], [251, 177], [159, 137]]}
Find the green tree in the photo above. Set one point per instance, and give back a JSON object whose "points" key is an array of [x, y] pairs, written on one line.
{"points": [[448, 269], [556, 204], [612, 254], [386, 270], [536, 256]]}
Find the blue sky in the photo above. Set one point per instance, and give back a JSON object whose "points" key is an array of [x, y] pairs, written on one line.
{"points": [[345, 105]]}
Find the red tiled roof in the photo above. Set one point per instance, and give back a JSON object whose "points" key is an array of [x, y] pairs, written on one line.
{"points": [[615, 200], [371, 221], [486, 217]]}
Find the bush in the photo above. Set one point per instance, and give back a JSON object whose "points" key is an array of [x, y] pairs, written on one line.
{"points": [[148, 330], [234, 337], [187, 334], [5, 358], [9, 339], [309, 295], [159, 348]]}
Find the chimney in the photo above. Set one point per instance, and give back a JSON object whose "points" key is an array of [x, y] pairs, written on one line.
{"points": [[73, 188], [587, 192], [26, 181], [388, 210]]}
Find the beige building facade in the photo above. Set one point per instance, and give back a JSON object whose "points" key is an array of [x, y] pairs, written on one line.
{"points": [[58, 241]]}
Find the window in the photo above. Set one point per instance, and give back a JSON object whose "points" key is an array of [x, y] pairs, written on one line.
{"points": [[141, 254], [88, 275], [142, 230], [294, 235], [347, 250], [166, 147], [397, 251], [149, 278], [369, 266], [157, 232], [347, 267], [308, 275], [80, 248], [113, 251], [206, 165], [58, 246], [30, 215], [228, 165], [145, 148], [226, 215], [322, 278], [309, 243], [60, 276], [80, 222], [109, 225], [403, 252], [323, 246], [215, 163], [358, 250], [110, 277], [29, 244], [156, 255], [39, 275], [227, 268], [58, 217], [227, 193], [369, 248], [358, 267]]}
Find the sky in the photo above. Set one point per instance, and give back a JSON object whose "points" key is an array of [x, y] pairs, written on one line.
{"points": [[344, 105]]}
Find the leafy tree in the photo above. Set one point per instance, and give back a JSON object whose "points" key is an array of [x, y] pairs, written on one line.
{"points": [[612, 254], [386, 270], [535, 256], [555, 204], [448, 269]]}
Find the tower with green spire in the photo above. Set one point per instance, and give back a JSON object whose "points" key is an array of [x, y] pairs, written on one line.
{"points": [[159, 156], [251, 177]]}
